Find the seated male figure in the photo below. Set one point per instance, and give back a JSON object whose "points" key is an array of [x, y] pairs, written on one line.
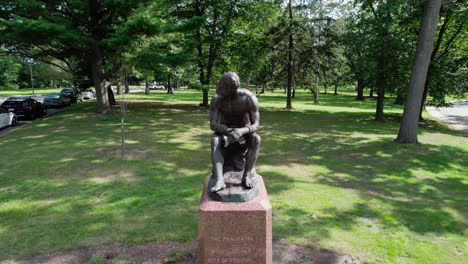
{"points": [[234, 118]]}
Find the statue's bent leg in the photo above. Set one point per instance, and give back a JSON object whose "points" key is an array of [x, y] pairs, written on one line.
{"points": [[217, 161], [250, 159]]}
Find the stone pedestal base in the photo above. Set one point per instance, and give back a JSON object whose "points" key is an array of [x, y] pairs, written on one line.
{"points": [[235, 232]]}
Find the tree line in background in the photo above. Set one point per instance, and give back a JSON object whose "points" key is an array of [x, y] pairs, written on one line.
{"points": [[304, 44]]}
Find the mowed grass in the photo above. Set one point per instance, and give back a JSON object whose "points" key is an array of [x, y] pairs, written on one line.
{"points": [[334, 176], [28, 91]]}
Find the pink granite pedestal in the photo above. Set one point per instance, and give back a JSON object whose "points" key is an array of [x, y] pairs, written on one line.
{"points": [[235, 232]]}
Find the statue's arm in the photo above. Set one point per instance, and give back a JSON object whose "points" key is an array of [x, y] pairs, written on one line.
{"points": [[254, 115], [214, 117]]}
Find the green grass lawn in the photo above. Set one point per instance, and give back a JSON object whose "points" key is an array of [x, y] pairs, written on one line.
{"points": [[29, 91], [334, 176]]}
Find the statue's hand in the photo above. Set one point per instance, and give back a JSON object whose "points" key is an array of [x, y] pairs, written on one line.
{"points": [[234, 135]]}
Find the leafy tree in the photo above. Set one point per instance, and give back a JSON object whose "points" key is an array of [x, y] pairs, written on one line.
{"points": [[94, 32], [9, 72]]}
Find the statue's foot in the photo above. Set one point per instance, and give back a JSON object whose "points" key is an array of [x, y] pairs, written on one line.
{"points": [[247, 182], [218, 186]]}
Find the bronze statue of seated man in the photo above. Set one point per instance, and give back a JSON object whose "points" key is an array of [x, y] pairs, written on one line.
{"points": [[234, 118]]}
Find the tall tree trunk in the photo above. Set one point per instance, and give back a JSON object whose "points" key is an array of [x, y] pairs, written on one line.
{"points": [[127, 88], [290, 58], [169, 83], [360, 89], [409, 124], [205, 97], [371, 92], [147, 90], [100, 83], [336, 89], [293, 92], [379, 111]]}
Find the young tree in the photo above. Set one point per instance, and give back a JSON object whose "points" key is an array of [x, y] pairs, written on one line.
{"points": [[409, 124]]}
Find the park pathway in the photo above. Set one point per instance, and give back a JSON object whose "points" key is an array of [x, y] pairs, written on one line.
{"points": [[456, 117]]}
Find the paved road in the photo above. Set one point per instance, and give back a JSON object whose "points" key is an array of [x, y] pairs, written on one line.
{"points": [[456, 117]]}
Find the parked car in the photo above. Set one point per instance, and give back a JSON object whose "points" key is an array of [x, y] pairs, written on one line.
{"points": [[88, 94], [25, 107], [7, 118], [55, 100], [72, 94]]}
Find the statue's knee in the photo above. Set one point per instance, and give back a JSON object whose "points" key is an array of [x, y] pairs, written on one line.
{"points": [[256, 139], [215, 141]]}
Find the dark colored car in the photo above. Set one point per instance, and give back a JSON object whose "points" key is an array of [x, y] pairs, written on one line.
{"points": [[73, 94], [56, 100], [24, 107]]}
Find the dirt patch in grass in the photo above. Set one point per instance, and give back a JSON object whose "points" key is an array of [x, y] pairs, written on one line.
{"points": [[178, 253]]}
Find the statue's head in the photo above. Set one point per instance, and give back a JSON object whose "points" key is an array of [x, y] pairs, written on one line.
{"points": [[228, 84]]}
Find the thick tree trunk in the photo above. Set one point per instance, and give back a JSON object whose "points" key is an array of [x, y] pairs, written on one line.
{"points": [[409, 124], [169, 83], [100, 83], [360, 89], [290, 60], [336, 89], [379, 111], [371, 92]]}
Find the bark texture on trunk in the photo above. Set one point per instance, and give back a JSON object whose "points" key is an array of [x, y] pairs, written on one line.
{"points": [[100, 83], [409, 124]]}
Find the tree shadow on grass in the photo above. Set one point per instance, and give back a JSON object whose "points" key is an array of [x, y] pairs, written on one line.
{"points": [[374, 166]]}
